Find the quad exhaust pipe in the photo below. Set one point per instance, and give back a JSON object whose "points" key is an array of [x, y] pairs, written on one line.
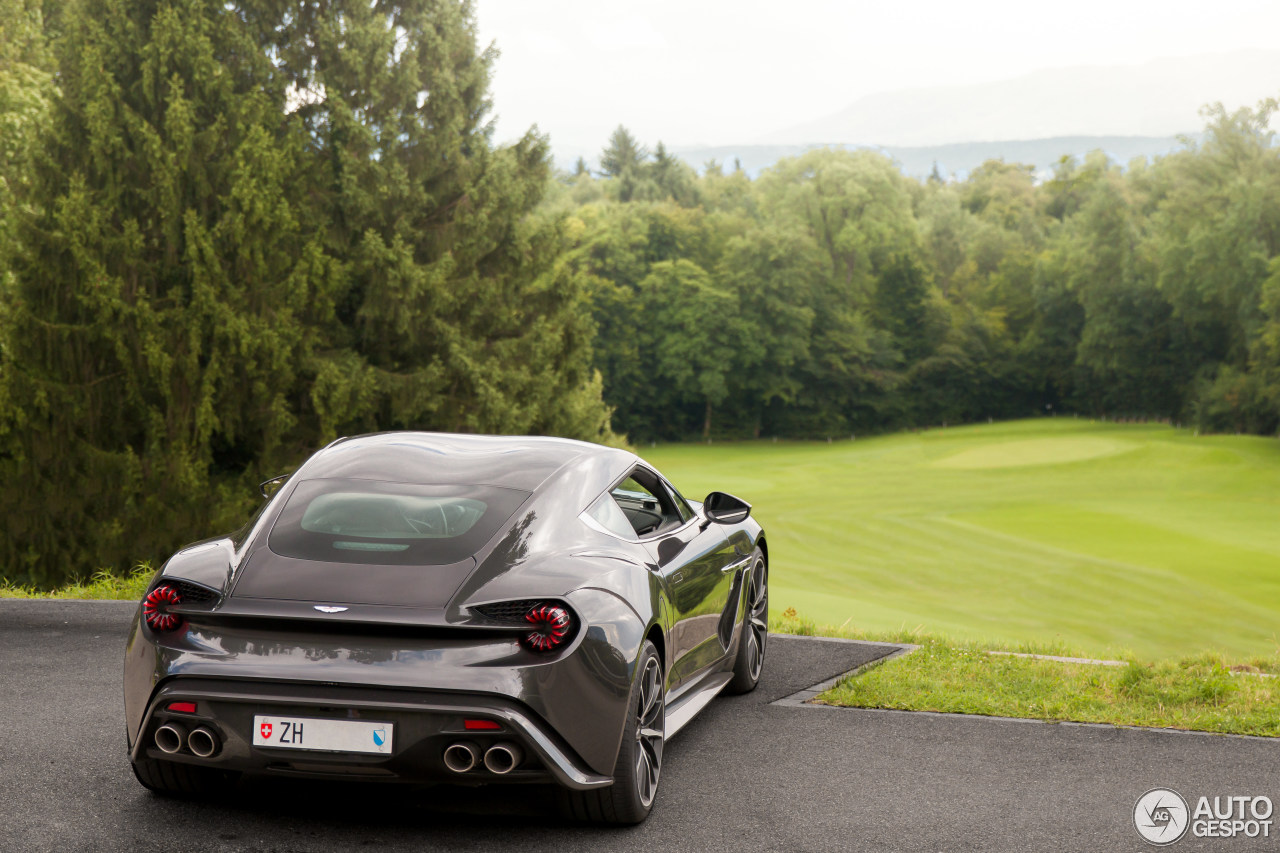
{"points": [[502, 758], [170, 738], [499, 759], [202, 742], [461, 757]]}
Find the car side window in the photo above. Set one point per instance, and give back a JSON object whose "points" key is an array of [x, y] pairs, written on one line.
{"points": [[648, 509], [606, 513], [682, 506]]}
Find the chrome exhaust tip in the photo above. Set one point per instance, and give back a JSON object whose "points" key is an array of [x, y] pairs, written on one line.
{"points": [[461, 757], [169, 738], [202, 742], [502, 758]]}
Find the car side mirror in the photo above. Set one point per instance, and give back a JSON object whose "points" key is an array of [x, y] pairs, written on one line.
{"points": [[724, 508], [270, 487]]}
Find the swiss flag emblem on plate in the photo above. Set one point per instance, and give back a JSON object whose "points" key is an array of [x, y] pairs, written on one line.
{"points": [[265, 728]]}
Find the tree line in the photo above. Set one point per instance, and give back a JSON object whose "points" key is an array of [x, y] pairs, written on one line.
{"points": [[231, 232], [834, 296]]}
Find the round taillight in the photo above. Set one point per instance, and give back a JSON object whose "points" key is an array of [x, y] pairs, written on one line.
{"points": [[155, 608], [552, 625]]}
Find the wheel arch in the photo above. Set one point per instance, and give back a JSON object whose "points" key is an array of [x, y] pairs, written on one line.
{"points": [[656, 636]]}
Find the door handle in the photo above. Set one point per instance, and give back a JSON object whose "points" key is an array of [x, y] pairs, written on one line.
{"points": [[677, 577]]}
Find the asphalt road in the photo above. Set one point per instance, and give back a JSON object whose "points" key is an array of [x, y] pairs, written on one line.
{"points": [[748, 775]]}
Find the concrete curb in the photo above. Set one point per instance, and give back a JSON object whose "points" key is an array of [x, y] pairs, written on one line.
{"points": [[1061, 659], [981, 718]]}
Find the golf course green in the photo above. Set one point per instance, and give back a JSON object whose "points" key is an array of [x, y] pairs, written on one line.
{"points": [[1104, 538]]}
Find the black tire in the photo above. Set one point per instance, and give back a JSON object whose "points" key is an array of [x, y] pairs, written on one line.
{"points": [[630, 798], [754, 637], [171, 779]]}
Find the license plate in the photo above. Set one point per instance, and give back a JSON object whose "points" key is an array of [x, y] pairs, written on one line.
{"points": [[323, 735]]}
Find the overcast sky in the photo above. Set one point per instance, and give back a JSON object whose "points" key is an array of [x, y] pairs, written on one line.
{"points": [[732, 71]]}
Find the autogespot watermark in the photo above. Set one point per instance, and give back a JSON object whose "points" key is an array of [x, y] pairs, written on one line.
{"points": [[1162, 816]]}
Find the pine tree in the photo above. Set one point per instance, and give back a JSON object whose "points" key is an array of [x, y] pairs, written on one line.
{"points": [[674, 178], [622, 154], [456, 312], [164, 290], [26, 87]]}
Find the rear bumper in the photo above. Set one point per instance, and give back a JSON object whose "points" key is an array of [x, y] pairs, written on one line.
{"points": [[426, 722], [579, 694]]}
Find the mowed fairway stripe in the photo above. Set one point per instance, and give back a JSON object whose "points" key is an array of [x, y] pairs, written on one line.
{"points": [[1135, 574], [1103, 537]]}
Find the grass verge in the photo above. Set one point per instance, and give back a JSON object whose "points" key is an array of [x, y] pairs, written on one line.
{"points": [[101, 585], [1206, 692]]}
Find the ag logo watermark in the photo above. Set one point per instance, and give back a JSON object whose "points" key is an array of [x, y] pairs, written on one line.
{"points": [[1162, 816]]}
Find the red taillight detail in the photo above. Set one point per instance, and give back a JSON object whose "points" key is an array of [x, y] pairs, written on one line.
{"points": [[155, 608], [552, 624], [182, 707], [481, 725]]}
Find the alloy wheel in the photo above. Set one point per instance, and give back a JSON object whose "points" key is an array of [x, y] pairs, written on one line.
{"points": [[757, 619], [650, 731]]}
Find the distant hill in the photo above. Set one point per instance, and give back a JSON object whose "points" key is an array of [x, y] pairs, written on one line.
{"points": [[1161, 98], [957, 159]]}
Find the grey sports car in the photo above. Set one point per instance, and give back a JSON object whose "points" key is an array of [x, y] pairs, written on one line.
{"points": [[423, 607]]}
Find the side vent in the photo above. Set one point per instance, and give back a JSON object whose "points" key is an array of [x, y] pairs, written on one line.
{"points": [[730, 615]]}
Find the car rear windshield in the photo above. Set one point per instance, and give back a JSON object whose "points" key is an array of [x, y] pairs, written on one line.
{"points": [[365, 521]]}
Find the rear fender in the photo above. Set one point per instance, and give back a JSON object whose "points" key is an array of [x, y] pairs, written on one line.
{"points": [[210, 563]]}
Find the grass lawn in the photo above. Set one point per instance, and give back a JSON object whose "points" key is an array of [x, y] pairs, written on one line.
{"points": [[1062, 534], [1204, 692], [1200, 693]]}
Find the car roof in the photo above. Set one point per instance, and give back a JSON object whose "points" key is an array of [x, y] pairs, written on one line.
{"points": [[515, 462]]}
